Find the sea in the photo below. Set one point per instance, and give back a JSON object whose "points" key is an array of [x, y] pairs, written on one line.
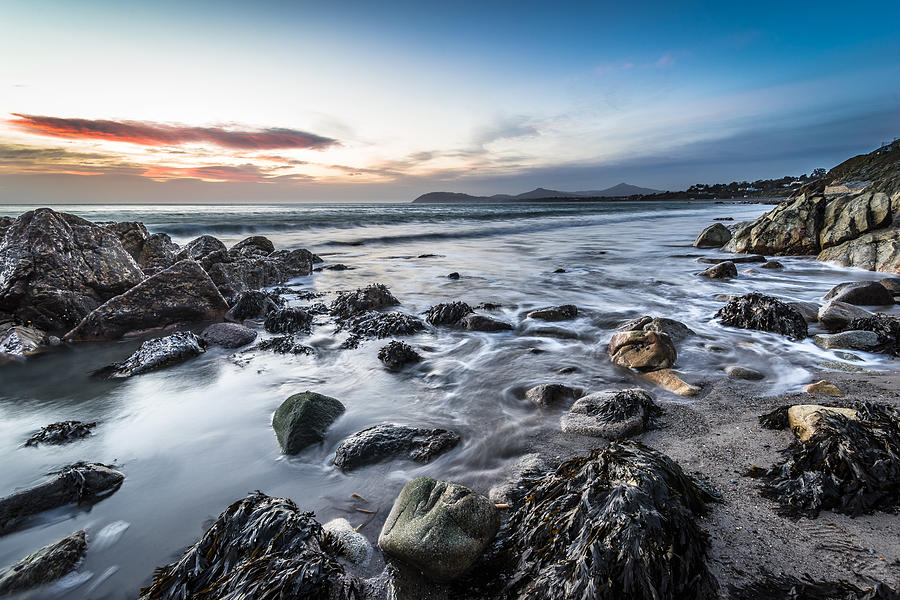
{"points": [[193, 438]]}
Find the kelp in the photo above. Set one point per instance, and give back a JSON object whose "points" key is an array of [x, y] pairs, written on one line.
{"points": [[848, 466], [788, 587], [448, 313], [263, 548], [284, 344], [288, 320], [763, 313], [379, 325]]}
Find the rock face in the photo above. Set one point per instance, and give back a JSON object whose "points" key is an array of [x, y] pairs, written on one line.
{"points": [[475, 322], [847, 340], [156, 354], [288, 320], [228, 335], [449, 313], [55, 268], [81, 483], [181, 293], [253, 304], [260, 547], [386, 442], [548, 394], [861, 293], [373, 297], [397, 355], [642, 350], [565, 312], [837, 315], [792, 228], [302, 420], [61, 433], [723, 270], [612, 415], [47, 564], [676, 330], [439, 528], [152, 253], [804, 419], [764, 313], [714, 236]]}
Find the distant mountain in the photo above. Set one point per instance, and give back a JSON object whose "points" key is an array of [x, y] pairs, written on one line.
{"points": [[622, 190]]}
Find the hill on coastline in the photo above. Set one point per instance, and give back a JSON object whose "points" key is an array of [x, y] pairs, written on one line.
{"points": [[621, 190]]}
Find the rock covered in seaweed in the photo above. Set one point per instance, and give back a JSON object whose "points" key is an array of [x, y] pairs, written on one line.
{"points": [[763, 313], [156, 354], [397, 355], [288, 320], [259, 547], [61, 433], [612, 414], [448, 313], [886, 327], [284, 344], [47, 564], [302, 419], [382, 325], [362, 300], [389, 441]]}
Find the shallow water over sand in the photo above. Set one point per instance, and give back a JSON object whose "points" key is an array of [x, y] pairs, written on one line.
{"points": [[195, 437]]}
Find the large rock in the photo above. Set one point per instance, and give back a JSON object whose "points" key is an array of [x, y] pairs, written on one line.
{"points": [[156, 354], [200, 247], [676, 330], [48, 564], [642, 350], [847, 340], [764, 313], [152, 252], [373, 297], [836, 315], [723, 270], [875, 251], [861, 293], [181, 293], [55, 268], [714, 236], [81, 483], [792, 228], [611, 414], [564, 312], [448, 313], [804, 419], [809, 310], [248, 268], [387, 442], [254, 245], [228, 335], [302, 420], [439, 528]]}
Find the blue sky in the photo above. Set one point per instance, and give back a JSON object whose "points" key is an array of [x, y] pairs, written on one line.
{"points": [[105, 99]]}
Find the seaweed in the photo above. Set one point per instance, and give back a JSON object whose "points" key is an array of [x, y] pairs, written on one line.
{"points": [[61, 433], [284, 344], [260, 547], [288, 320], [776, 419], [788, 587], [849, 466], [886, 327], [763, 313], [447, 313]]}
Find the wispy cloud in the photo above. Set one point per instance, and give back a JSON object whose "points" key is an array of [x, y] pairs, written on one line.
{"points": [[666, 60], [147, 133]]}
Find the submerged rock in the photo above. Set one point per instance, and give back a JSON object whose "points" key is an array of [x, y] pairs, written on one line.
{"points": [[61, 433], [763, 313], [612, 414], [260, 547], [302, 420], [181, 293], [475, 322], [156, 354], [48, 564], [738, 372], [284, 344], [288, 320], [387, 442], [228, 335], [448, 313], [847, 340], [397, 355], [564, 312], [714, 236], [642, 350], [836, 315], [373, 297], [861, 293], [548, 394], [253, 304], [723, 270], [676, 330], [82, 483], [439, 528]]}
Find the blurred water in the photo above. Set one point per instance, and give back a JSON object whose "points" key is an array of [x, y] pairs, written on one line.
{"points": [[193, 438]]}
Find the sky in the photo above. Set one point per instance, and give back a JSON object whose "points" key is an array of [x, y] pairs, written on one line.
{"points": [[382, 101]]}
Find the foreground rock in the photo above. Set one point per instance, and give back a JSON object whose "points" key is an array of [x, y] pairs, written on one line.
{"points": [[676, 330], [823, 388], [564, 312], [260, 547], [642, 350], [847, 340], [156, 354], [612, 415], [861, 293], [55, 268], [549, 394], [48, 564], [397, 355], [181, 293], [483, 323], [253, 304], [63, 432], [81, 483], [439, 528], [723, 270], [228, 335], [714, 236], [738, 372], [804, 419], [836, 315], [764, 313], [302, 420], [373, 297], [387, 442], [353, 545]]}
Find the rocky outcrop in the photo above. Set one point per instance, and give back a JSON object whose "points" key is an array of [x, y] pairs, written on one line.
{"points": [[549, 394], [439, 528], [386, 442], [152, 253], [55, 268], [397, 355], [302, 420], [792, 228], [642, 350], [255, 245], [181, 293], [714, 236], [48, 564], [200, 247], [63, 432], [228, 335], [612, 415], [764, 313], [156, 354], [249, 268]]}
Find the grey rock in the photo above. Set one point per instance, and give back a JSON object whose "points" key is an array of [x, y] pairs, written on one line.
{"points": [[453, 275], [612, 414], [18, 341], [48, 564], [250, 268], [548, 394], [723, 270], [448, 313], [387, 442], [228, 335], [891, 284], [439, 528], [302, 420], [152, 253], [63, 432], [156, 354], [764, 313], [714, 236], [861, 293], [397, 355], [836, 315], [475, 322], [284, 344], [564, 312], [373, 297], [737, 372], [772, 264], [847, 340]]}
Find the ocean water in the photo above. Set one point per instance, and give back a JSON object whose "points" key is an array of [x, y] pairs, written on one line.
{"points": [[193, 438]]}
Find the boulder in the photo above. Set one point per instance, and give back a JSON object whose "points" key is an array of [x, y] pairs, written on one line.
{"points": [[836, 315], [381, 325], [18, 341], [723, 270], [200, 247], [548, 394], [48, 564], [714, 236], [671, 381], [61, 433], [808, 310], [228, 335], [847, 340], [612, 415], [738, 372], [288, 320], [475, 322], [823, 388], [642, 350], [55, 268], [373, 297], [804, 419], [234, 272], [302, 420], [564, 312], [253, 304], [181, 293], [791, 228], [397, 355], [676, 330], [439, 528], [156, 354], [152, 253], [388, 442], [448, 313], [82, 483], [763, 313], [772, 264], [253, 246], [875, 251], [861, 293]]}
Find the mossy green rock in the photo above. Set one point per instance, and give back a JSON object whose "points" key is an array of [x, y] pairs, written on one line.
{"points": [[439, 528], [302, 419]]}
